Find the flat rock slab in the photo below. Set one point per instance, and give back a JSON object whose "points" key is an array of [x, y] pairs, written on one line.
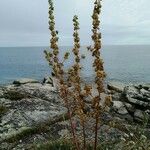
{"points": [[28, 105], [28, 113], [31, 90], [24, 81], [116, 86]]}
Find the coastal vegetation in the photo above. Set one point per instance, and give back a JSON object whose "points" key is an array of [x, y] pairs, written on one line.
{"points": [[73, 91], [84, 106]]}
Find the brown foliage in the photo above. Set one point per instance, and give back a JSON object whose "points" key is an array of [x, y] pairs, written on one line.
{"points": [[73, 90]]}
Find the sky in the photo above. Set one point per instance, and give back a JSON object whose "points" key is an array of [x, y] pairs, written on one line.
{"points": [[25, 22]]}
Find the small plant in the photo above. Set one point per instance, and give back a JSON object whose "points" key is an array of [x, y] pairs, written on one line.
{"points": [[3, 110], [136, 138], [73, 90]]}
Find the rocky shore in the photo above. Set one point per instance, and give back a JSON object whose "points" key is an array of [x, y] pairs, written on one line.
{"points": [[131, 102], [32, 112]]}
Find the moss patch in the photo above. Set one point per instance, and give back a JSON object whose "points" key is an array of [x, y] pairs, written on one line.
{"points": [[3, 110], [22, 134], [15, 95]]}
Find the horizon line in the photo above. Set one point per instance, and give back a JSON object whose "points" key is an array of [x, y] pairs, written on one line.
{"points": [[81, 46]]}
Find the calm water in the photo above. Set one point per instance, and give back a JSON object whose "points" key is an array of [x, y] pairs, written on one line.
{"points": [[122, 63]]}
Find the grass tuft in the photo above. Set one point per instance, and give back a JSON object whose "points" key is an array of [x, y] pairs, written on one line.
{"points": [[3, 110]]}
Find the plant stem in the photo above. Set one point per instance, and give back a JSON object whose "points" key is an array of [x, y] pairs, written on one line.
{"points": [[71, 123], [96, 124], [84, 137], [96, 129]]}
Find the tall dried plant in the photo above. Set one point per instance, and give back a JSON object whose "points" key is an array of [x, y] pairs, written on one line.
{"points": [[73, 91], [99, 69], [57, 66]]}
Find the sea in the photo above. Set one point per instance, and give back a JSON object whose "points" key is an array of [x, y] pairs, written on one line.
{"points": [[123, 63]]}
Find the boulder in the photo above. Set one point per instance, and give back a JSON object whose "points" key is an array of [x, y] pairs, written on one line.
{"points": [[116, 86], [138, 97], [31, 90], [1, 92], [139, 103], [48, 80], [139, 115], [24, 81], [130, 108], [130, 91], [146, 86], [119, 107], [45, 92], [117, 97], [145, 93]]}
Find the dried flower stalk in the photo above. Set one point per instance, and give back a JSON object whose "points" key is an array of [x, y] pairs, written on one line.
{"points": [[57, 66], [72, 90], [99, 70]]}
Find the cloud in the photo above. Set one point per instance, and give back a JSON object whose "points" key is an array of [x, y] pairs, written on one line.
{"points": [[25, 22], [126, 22]]}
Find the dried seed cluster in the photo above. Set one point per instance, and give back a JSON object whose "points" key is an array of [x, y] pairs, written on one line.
{"points": [[73, 91]]}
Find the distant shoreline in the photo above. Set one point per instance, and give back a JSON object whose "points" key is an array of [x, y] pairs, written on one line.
{"points": [[87, 80]]}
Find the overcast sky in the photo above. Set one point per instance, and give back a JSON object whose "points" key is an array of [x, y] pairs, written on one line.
{"points": [[25, 22]]}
